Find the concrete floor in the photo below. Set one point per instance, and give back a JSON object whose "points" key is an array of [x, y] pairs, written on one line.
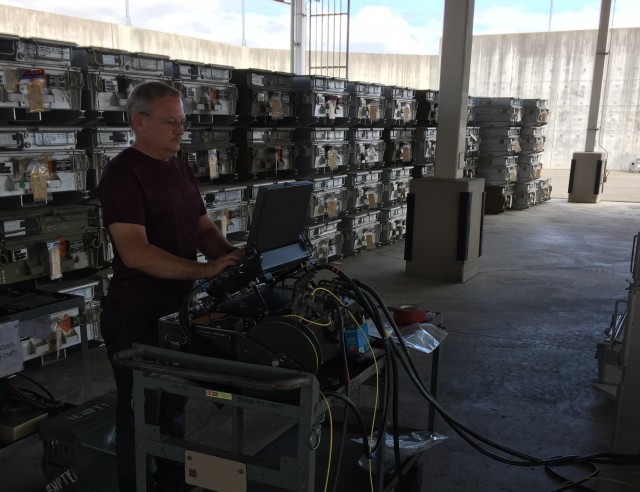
{"points": [[518, 361]]}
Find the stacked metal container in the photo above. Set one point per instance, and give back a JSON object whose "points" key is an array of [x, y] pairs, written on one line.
{"points": [[101, 144], [37, 82], [110, 76], [323, 157], [265, 105], [39, 97], [359, 226], [426, 134], [327, 204], [208, 96], [499, 120], [227, 209], [322, 150], [210, 153], [265, 152], [532, 188], [393, 215]]}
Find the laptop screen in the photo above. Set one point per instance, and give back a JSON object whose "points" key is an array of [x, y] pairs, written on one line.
{"points": [[279, 215]]}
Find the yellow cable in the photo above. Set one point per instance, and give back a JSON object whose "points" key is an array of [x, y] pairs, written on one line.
{"points": [[377, 372], [326, 402], [297, 316]]}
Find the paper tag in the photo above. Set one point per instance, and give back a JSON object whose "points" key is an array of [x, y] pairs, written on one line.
{"points": [[11, 356], [369, 240], [39, 187], [332, 205], [406, 113], [224, 223], [373, 112], [55, 268], [34, 97], [333, 159], [332, 110], [371, 198], [213, 163], [406, 153], [276, 107]]}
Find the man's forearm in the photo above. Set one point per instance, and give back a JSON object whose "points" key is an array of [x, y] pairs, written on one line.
{"points": [[213, 244], [156, 262]]}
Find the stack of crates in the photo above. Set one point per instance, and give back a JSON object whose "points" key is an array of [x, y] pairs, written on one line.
{"points": [[425, 151], [427, 132], [393, 215], [499, 120], [471, 152], [328, 202], [532, 188], [40, 98]]}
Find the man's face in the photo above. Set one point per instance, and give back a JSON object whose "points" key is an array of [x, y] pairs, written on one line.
{"points": [[159, 130]]}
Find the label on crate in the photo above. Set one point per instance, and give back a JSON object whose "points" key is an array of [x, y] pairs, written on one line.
{"points": [[39, 186], [406, 113], [371, 198], [11, 355], [14, 227], [213, 163], [333, 159], [55, 267], [406, 153], [373, 112], [109, 60], [332, 109], [276, 107], [369, 239], [332, 208]]}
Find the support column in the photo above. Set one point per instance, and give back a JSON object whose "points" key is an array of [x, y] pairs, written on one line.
{"points": [[297, 38], [588, 168], [444, 219]]}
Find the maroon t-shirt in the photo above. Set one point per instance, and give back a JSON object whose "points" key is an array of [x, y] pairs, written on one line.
{"points": [[163, 196]]}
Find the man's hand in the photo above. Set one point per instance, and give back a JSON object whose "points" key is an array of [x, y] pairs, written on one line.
{"points": [[215, 267]]}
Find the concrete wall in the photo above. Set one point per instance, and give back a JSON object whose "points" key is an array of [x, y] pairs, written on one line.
{"points": [[557, 66]]}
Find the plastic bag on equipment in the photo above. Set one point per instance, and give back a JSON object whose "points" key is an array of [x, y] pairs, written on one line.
{"points": [[411, 443], [424, 337]]}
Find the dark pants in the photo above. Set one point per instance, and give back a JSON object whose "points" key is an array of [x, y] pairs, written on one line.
{"points": [[120, 329]]}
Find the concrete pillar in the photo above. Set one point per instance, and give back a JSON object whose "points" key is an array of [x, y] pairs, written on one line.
{"points": [[455, 63], [588, 168], [444, 219]]}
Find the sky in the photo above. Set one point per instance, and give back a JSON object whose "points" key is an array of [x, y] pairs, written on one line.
{"points": [[377, 26]]}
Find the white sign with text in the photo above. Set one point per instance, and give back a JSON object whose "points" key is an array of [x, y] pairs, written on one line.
{"points": [[11, 356]]}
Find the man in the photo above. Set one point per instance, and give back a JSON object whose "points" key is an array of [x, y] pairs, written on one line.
{"points": [[156, 220]]}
